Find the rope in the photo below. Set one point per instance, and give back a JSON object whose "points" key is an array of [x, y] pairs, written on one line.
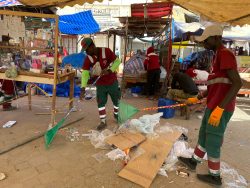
{"points": [[169, 106]]}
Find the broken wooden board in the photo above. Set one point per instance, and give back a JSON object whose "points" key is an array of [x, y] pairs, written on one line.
{"points": [[143, 169], [125, 140]]}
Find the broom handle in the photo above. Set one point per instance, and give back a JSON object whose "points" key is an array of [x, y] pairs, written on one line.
{"points": [[169, 106]]}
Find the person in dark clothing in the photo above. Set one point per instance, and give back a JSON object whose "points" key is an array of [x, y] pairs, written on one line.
{"points": [[182, 86], [8, 89], [152, 66]]}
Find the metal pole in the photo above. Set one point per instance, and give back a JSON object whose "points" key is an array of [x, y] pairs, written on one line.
{"points": [[114, 42]]}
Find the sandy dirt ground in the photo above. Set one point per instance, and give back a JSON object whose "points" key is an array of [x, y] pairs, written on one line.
{"points": [[69, 164]]}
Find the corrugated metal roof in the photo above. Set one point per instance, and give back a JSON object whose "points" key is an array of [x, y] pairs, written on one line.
{"points": [[79, 23], [58, 3], [233, 11]]}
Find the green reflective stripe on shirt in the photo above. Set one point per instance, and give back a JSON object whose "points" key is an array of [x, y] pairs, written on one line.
{"points": [[115, 65], [85, 78]]}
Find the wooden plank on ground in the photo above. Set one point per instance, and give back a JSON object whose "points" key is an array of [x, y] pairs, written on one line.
{"points": [[125, 140], [143, 169]]}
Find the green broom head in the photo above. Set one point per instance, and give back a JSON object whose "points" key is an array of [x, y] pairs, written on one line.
{"points": [[50, 134], [126, 111]]}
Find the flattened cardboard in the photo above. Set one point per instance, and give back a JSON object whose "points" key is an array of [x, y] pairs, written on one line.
{"points": [[143, 169], [125, 140]]}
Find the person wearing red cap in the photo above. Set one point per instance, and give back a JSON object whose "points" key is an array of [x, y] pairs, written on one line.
{"points": [[102, 64], [223, 83], [152, 65]]}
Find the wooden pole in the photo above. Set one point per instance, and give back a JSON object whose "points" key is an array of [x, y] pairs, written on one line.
{"points": [[114, 42], [29, 14], [123, 84], [131, 46], [108, 39], [126, 43], [29, 95], [169, 47], [53, 107], [71, 92]]}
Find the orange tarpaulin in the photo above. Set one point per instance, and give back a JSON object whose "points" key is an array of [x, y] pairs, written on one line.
{"points": [[236, 12], [58, 3]]}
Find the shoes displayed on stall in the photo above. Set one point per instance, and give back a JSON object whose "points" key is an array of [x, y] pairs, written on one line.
{"points": [[101, 126], [212, 180], [189, 162]]}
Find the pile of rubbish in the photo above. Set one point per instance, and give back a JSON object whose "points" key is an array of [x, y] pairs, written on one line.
{"points": [[147, 148]]}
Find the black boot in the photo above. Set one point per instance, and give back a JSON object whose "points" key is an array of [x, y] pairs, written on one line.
{"points": [[101, 126], [189, 162], [212, 180]]}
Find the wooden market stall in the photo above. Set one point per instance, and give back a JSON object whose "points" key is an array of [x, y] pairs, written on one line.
{"points": [[31, 77], [147, 19]]}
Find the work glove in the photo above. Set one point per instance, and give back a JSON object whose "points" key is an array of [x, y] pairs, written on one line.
{"points": [[215, 116], [192, 100], [82, 94]]}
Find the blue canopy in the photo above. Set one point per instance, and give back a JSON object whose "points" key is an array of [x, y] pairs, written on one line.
{"points": [[76, 60], [78, 24], [181, 30]]}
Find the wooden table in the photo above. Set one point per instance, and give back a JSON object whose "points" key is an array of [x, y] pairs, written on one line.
{"points": [[24, 76]]}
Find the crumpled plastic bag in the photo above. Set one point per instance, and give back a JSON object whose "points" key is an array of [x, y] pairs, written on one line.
{"points": [[231, 178], [179, 149], [96, 70], [168, 127], [116, 154], [97, 138], [146, 123]]}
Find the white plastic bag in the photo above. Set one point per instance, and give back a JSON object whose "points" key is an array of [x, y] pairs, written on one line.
{"points": [[9, 124], [179, 149], [231, 178], [116, 154], [163, 72], [168, 127], [146, 123], [96, 70], [97, 138]]}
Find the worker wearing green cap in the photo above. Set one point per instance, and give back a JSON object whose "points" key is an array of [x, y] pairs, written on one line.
{"points": [[102, 64]]}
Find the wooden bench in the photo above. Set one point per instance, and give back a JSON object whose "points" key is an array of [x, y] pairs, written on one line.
{"points": [[188, 110]]}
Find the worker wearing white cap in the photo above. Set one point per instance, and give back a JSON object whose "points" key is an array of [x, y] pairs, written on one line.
{"points": [[224, 83]]}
